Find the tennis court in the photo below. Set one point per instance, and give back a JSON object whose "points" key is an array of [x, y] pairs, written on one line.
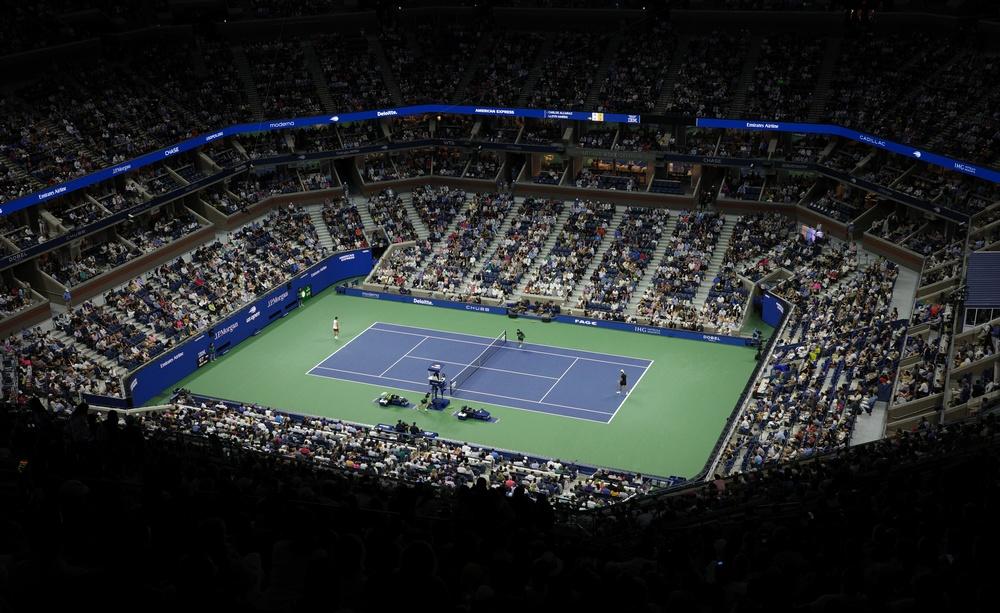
{"points": [[541, 378]]}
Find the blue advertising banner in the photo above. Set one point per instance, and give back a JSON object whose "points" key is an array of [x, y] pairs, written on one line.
{"points": [[170, 367], [580, 321], [772, 309], [914, 153], [654, 330], [434, 302], [485, 111], [302, 122]]}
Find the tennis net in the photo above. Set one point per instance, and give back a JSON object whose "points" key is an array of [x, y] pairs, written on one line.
{"points": [[473, 366]]}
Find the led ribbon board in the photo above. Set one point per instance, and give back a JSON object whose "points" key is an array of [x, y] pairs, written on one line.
{"points": [[484, 111]]}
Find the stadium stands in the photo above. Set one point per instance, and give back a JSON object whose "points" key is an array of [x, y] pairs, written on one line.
{"points": [[272, 510]]}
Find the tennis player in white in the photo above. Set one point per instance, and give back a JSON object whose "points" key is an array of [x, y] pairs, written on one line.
{"points": [[336, 329]]}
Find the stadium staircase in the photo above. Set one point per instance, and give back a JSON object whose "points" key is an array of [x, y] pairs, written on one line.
{"points": [[418, 224], [246, 78], [441, 246], [316, 215], [376, 49], [670, 74], [606, 242], [198, 58], [603, 71], [319, 78], [545, 250], [821, 93], [739, 103], [508, 221], [68, 340], [472, 69], [20, 175], [659, 254], [366, 219], [536, 70], [714, 264]]}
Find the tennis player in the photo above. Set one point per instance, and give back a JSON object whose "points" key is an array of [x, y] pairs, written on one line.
{"points": [[520, 338], [622, 381], [336, 329]]}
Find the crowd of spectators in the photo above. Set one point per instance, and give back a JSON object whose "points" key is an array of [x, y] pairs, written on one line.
{"points": [[531, 224], [284, 86], [228, 498], [501, 76], [753, 236], [388, 211], [397, 269], [414, 163], [709, 70], [568, 73], [465, 247], [926, 376], [354, 85], [344, 223], [13, 298], [576, 245], [49, 367], [634, 79], [379, 167], [159, 229], [613, 282], [449, 162], [190, 293], [437, 207], [483, 165], [784, 77], [103, 331], [667, 302], [94, 259], [429, 68], [836, 358]]}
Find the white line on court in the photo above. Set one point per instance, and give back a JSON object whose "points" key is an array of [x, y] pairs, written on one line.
{"points": [[550, 404], [346, 344], [560, 378], [526, 344], [628, 394], [561, 355], [513, 372], [403, 356]]}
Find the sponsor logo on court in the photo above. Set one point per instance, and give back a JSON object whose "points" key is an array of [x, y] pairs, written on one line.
{"points": [[476, 307], [371, 295], [317, 272], [134, 383], [585, 322], [645, 330], [710, 338], [423, 301], [347, 257]]}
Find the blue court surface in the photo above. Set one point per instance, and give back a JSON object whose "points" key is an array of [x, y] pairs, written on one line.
{"points": [[555, 380]]}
